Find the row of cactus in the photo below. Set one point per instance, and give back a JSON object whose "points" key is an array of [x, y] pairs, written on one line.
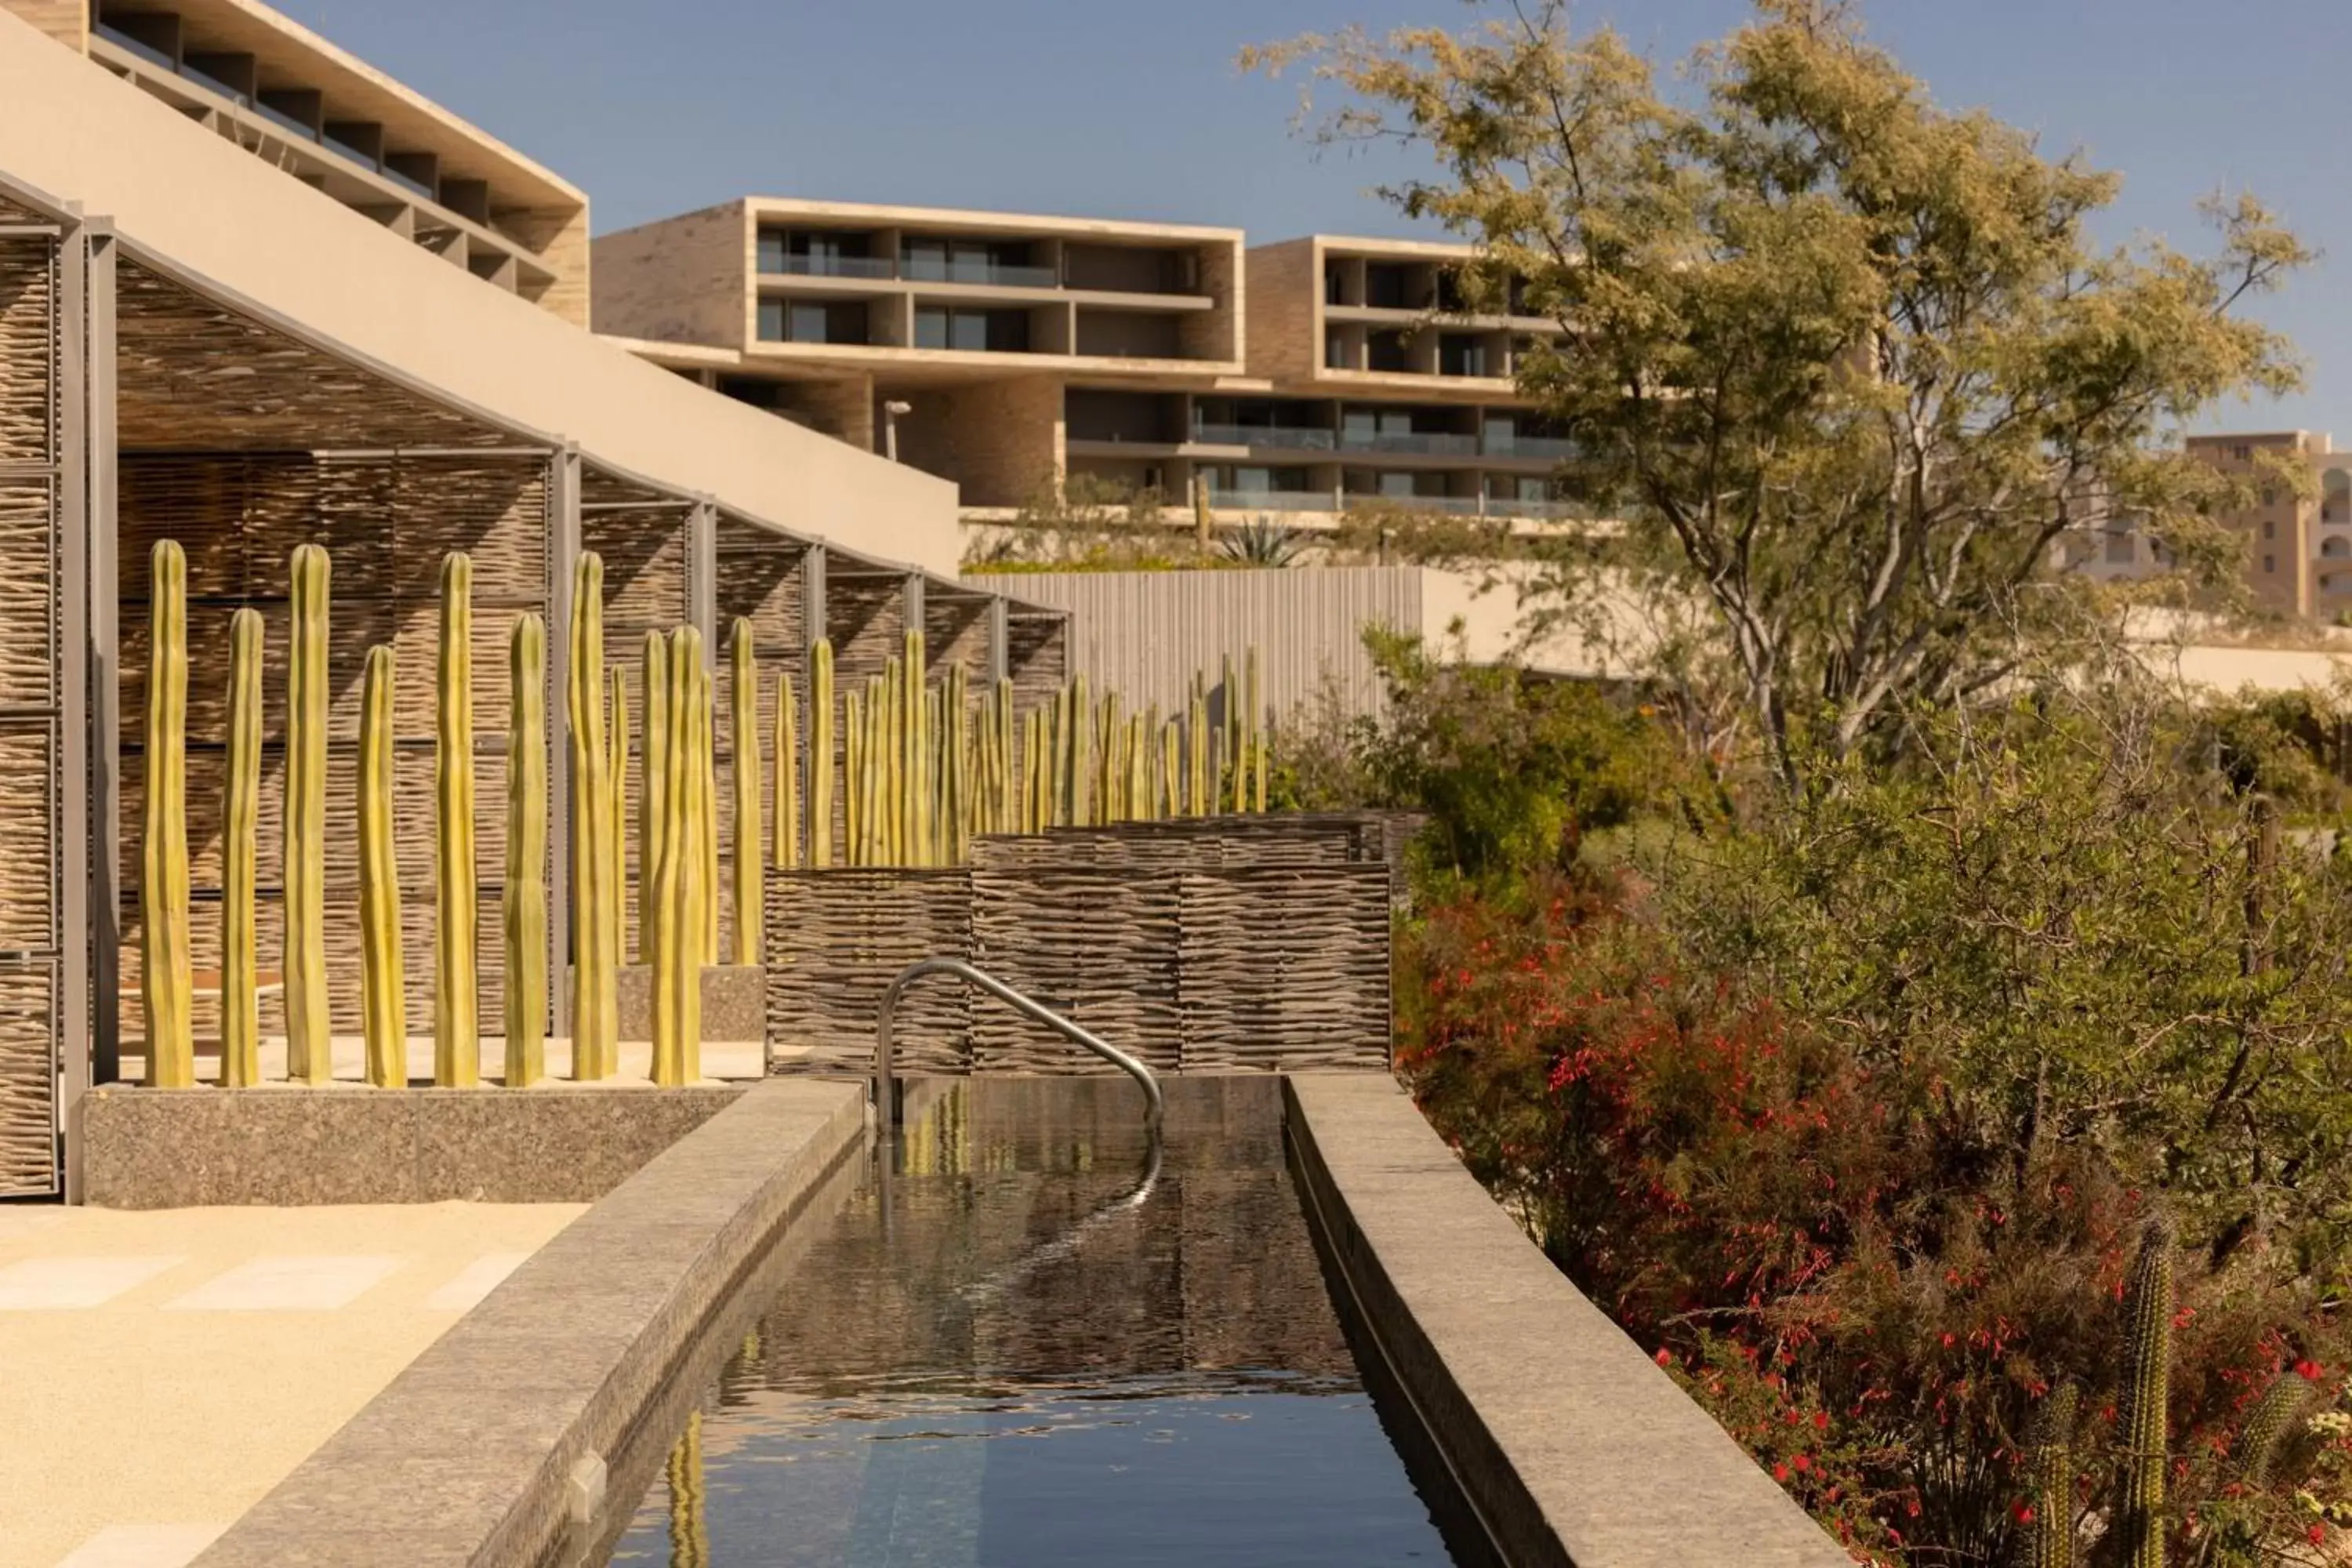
{"points": [[672, 919]]}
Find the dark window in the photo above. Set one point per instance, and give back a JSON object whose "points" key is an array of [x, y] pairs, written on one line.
{"points": [[813, 321], [1335, 350], [1386, 351], [2270, 529], [1459, 355], [2270, 563], [1334, 285], [979, 332], [1384, 286]]}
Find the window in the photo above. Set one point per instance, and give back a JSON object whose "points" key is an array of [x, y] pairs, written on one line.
{"points": [[2335, 497], [2336, 549], [984, 332], [2119, 550], [813, 321], [1384, 286], [1334, 287], [1460, 355], [1386, 351], [2270, 563], [2243, 453], [2270, 529], [1335, 350]]}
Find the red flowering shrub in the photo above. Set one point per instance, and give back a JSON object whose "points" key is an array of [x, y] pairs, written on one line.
{"points": [[1839, 1264]]}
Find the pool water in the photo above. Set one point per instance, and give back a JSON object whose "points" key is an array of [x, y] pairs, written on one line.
{"points": [[1031, 1339]]}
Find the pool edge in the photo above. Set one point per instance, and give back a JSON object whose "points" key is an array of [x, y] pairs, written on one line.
{"points": [[491, 1446], [1571, 1445]]}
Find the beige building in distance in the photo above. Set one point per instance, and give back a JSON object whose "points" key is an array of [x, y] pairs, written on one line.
{"points": [[1014, 354], [2298, 549]]}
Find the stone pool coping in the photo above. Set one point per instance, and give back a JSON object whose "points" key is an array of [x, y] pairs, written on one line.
{"points": [[1572, 1446], [205, 1148], [491, 1447]]}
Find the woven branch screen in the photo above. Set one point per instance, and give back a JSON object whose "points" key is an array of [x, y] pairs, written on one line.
{"points": [[1216, 944], [386, 523], [31, 735], [955, 632], [1037, 652]]}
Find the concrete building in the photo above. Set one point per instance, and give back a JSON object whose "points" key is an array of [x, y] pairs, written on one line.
{"points": [[307, 109], [2298, 548], [1011, 354]]}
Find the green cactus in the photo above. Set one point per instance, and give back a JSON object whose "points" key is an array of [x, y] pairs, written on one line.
{"points": [[2147, 1310], [595, 1008], [456, 1028], [677, 954], [2276, 1420], [653, 798], [854, 773], [1171, 793], [310, 1047], [1253, 734], [240, 829], [1229, 719], [1196, 753], [2049, 1540], [744, 736], [1263, 769], [820, 754], [706, 808], [525, 911], [788, 776], [166, 982], [1035, 773], [616, 797], [383, 1005], [916, 736]]}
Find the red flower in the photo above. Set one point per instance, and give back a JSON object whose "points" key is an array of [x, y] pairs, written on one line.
{"points": [[1804, 1462], [1821, 1420], [2309, 1371], [2316, 1534], [1666, 1356], [1780, 1472]]}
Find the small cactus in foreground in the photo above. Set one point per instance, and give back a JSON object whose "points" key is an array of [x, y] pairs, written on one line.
{"points": [[744, 736], [595, 925], [653, 796], [2147, 1383], [240, 830], [788, 777], [456, 1038], [677, 954], [383, 1007], [2050, 1450], [820, 780], [165, 979], [525, 923]]}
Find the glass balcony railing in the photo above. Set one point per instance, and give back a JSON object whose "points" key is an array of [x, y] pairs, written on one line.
{"points": [[1278, 438], [1451, 506], [1498, 506], [1551, 446], [828, 266], [930, 270], [1429, 443]]}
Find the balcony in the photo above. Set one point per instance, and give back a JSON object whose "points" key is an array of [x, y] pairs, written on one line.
{"points": [[868, 266], [1272, 500], [995, 274], [1426, 443], [1268, 437], [1554, 448]]}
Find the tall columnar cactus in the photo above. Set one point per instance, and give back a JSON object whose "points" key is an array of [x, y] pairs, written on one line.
{"points": [[787, 831], [1035, 774], [852, 773], [678, 933], [595, 925], [165, 979], [616, 800], [2147, 1383], [820, 754], [457, 1028], [917, 736], [744, 736], [1229, 722], [706, 807], [525, 912], [1170, 786], [384, 1006], [1139, 769], [2050, 1451], [1196, 753], [310, 1048], [1260, 768], [1254, 732], [2269, 1431], [1082, 756], [240, 829], [653, 798]]}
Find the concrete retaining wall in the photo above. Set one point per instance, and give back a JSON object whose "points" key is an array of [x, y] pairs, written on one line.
{"points": [[185, 1148], [1568, 1442]]}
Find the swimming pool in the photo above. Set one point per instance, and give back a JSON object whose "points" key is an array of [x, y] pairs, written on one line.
{"points": [[1032, 1336]]}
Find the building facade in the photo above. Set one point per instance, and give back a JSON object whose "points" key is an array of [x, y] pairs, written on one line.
{"points": [[2298, 546], [1016, 355], [271, 86]]}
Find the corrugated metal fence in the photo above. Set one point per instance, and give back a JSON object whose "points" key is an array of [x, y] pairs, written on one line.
{"points": [[1143, 633]]}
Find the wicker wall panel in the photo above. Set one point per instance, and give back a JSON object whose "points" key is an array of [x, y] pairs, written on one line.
{"points": [[28, 782], [1095, 943], [1286, 967], [1037, 657], [644, 551], [29, 1026], [955, 632], [28, 347], [28, 591], [867, 619], [759, 577], [843, 936]]}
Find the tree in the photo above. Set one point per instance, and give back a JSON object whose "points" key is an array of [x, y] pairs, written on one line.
{"points": [[1847, 365]]}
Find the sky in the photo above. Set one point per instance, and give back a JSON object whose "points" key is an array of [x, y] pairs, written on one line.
{"points": [[1133, 109]]}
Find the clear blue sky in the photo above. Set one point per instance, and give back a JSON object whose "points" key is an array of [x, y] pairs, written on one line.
{"points": [[1132, 108]]}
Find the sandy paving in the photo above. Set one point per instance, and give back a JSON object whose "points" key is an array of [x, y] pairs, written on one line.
{"points": [[160, 1370]]}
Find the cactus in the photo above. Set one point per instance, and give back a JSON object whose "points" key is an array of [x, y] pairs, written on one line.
{"points": [[744, 736], [595, 1011], [788, 776], [706, 807], [1035, 775], [853, 771], [1253, 723], [616, 797], [240, 999], [309, 1049], [653, 796], [689, 1534], [676, 954], [1196, 753], [2050, 1451], [1263, 767], [2147, 1310], [1171, 794], [456, 1026], [383, 1005], [525, 900], [165, 981], [915, 737], [2277, 1417], [820, 754]]}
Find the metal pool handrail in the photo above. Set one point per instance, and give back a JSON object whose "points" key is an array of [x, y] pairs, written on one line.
{"points": [[885, 1101]]}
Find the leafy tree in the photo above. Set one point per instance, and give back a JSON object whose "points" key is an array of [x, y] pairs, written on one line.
{"points": [[1847, 364]]}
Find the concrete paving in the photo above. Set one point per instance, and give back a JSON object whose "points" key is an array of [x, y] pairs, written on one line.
{"points": [[161, 1372]]}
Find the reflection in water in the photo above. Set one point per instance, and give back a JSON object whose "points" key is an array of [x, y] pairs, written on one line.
{"points": [[1041, 1340]]}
